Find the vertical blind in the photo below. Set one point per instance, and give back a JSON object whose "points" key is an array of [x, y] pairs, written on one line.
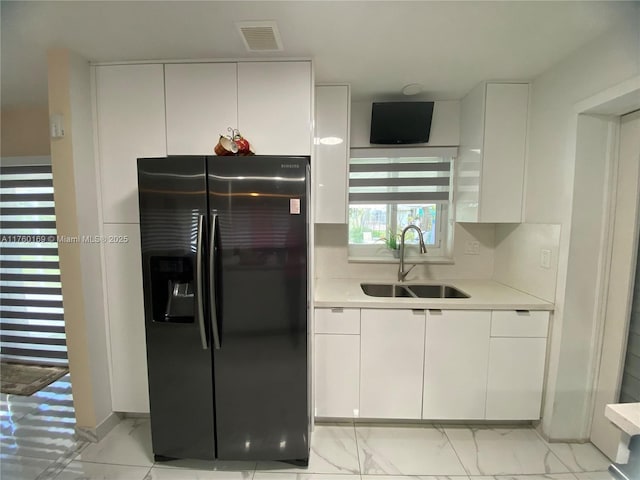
{"points": [[31, 313]]}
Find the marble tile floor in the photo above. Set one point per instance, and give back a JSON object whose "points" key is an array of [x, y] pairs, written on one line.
{"points": [[38, 444]]}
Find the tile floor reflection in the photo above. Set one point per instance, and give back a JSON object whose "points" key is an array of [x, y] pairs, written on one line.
{"points": [[38, 443]]}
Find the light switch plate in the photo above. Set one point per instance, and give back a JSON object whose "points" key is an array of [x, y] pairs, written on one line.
{"points": [[472, 247], [545, 258]]}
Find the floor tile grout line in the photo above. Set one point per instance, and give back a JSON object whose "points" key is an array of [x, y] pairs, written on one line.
{"points": [[444, 430], [548, 446], [147, 475], [562, 463], [568, 444], [355, 434], [112, 463]]}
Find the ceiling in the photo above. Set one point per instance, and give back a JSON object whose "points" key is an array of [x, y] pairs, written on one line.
{"points": [[377, 46]]}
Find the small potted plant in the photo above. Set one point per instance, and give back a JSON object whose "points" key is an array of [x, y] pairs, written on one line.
{"points": [[391, 241]]}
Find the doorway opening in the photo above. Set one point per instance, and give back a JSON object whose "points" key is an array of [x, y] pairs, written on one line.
{"points": [[32, 330]]}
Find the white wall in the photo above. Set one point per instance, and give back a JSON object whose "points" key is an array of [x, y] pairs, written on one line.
{"points": [[608, 60], [553, 165], [74, 182], [445, 124], [332, 257], [88, 224], [517, 258]]}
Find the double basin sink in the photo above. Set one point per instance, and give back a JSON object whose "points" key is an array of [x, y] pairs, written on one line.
{"points": [[397, 290]]}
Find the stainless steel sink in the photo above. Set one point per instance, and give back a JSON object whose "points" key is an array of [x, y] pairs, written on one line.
{"points": [[437, 291], [412, 290], [385, 290]]}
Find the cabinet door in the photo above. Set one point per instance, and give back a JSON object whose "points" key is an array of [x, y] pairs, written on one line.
{"points": [[455, 366], [201, 104], [337, 375], [469, 163], [337, 320], [331, 166], [131, 124], [516, 371], [505, 128], [129, 386], [392, 356], [274, 106]]}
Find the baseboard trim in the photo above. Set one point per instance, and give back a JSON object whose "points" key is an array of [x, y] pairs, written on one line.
{"points": [[95, 434]]}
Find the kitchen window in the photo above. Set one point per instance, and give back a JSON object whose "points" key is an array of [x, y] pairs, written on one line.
{"points": [[390, 189]]}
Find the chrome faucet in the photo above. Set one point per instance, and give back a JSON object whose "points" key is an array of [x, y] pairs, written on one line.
{"points": [[401, 273]]}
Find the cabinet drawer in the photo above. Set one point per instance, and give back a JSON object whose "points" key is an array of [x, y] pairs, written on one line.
{"points": [[519, 323], [337, 320]]}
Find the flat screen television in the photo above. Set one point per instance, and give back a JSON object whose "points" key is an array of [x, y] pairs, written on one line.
{"points": [[400, 122]]}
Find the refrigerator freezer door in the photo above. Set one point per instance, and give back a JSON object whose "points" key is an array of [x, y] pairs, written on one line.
{"points": [[261, 368], [173, 201]]}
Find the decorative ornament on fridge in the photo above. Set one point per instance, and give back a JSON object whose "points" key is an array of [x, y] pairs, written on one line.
{"points": [[233, 144]]}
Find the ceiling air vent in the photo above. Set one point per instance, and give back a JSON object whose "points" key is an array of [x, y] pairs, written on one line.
{"points": [[260, 36]]}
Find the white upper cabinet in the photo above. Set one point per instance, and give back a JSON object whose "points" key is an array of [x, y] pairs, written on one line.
{"points": [[201, 104], [130, 125], [274, 106], [490, 168], [331, 167]]}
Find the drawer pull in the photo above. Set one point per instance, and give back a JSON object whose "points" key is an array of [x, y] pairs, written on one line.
{"points": [[523, 312], [337, 310], [435, 311], [417, 311]]}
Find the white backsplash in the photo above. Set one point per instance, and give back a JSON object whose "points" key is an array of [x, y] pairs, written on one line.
{"points": [[331, 257], [509, 254], [517, 257]]}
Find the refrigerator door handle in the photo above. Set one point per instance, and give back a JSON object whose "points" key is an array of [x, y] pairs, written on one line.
{"points": [[212, 282], [199, 292]]}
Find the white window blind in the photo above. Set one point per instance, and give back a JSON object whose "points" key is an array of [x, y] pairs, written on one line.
{"points": [[31, 313], [399, 178]]}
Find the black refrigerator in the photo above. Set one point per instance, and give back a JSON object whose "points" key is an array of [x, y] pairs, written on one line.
{"points": [[225, 276]]}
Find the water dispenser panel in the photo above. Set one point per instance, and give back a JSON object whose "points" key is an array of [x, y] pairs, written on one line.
{"points": [[172, 289]]}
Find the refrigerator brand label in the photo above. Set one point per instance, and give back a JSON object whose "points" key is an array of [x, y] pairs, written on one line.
{"points": [[294, 206]]}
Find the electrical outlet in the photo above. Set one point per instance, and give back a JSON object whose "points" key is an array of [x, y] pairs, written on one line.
{"points": [[472, 247], [545, 258]]}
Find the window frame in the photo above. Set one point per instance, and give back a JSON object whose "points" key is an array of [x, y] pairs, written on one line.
{"points": [[379, 253]]}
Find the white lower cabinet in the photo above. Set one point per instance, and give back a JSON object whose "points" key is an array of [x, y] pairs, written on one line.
{"points": [[442, 365], [392, 354], [337, 375], [455, 365], [129, 389], [516, 373], [517, 353]]}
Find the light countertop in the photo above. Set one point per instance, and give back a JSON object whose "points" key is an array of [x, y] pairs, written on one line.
{"points": [[484, 294], [625, 416]]}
